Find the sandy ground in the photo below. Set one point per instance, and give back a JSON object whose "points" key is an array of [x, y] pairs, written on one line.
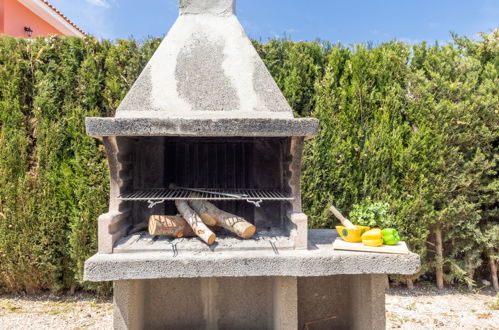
{"points": [[422, 308]]}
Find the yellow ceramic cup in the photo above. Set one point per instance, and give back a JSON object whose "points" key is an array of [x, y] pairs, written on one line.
{"points": [[352, 235]]}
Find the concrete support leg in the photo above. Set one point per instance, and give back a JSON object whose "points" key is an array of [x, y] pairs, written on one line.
{"points": [[342, 302], [368, 301], [128, 304], [285, 303]]}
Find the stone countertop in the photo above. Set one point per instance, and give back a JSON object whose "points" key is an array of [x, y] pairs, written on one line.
{"points": [[319, 260]]}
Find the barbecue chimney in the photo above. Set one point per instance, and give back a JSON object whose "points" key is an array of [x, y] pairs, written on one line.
{"points": [[205, 113]]}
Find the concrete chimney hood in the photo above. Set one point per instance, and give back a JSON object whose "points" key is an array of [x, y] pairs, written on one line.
{"points": [[205, 79]]}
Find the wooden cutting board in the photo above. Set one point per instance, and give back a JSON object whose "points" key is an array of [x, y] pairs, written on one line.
{"points": [[400, 248]]}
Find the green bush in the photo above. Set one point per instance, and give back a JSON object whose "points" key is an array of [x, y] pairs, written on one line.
{"points": [[371, 214], [411, 126]]}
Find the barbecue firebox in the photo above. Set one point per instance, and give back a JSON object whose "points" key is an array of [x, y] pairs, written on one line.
{"points": [[254, 177], [205, 121]]}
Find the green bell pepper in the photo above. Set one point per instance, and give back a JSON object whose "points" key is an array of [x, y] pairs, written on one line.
{"points": [[390, 236]]}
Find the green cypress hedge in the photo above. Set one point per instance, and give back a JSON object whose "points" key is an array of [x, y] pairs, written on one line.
{"points": [[53, 178], [416, 127]]}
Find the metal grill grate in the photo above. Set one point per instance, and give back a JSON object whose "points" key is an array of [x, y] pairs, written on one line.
{"points": [[159, 195]]}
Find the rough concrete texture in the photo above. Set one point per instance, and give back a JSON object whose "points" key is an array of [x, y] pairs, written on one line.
{"points": [[342, 302], [190, 71], [293, 174], [111, 227], [248, 127], [114, 224], [118, 151], [319, 260], [128, 302], [263, 240], [213, 7], [206, 67], [285, 302], [331, 302], [300, 232]]}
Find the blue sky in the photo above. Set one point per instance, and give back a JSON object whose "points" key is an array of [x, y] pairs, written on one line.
{"points": [[346, 21]]}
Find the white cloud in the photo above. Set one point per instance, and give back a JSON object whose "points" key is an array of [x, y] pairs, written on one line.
{"points": [[99, 18], [99, 3]]}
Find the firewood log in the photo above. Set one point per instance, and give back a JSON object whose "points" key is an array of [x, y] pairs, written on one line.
{"points": [[195, 222], [203, 211], [169, 225], [231, 222]]}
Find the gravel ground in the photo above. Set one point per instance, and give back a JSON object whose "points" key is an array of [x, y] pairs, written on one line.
{"points": [[81, 311], [422, 308], [427, 308]]}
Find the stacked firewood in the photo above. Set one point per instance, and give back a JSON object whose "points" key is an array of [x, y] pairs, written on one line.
{"points": [[199, 218]]}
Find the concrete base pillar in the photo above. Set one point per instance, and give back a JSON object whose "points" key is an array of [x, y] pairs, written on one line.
{"points": [[339, 302], [285, 303], [342, 302], [128, 304]]}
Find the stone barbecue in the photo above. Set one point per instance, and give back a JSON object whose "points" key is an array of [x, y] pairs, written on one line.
{"points": [[205, 121]]}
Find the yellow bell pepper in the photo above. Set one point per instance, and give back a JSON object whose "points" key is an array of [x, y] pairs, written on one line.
{"points": [[372, 237], [373, 242]]}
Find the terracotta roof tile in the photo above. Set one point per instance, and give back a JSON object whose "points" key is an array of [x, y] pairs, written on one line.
{"points": [[63, 16]]}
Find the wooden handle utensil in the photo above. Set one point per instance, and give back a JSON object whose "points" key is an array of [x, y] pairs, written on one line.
{"points": [[344, 221]]}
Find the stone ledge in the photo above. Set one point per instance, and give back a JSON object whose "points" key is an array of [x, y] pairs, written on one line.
{"points": [[246, 127], [318, 260]]}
